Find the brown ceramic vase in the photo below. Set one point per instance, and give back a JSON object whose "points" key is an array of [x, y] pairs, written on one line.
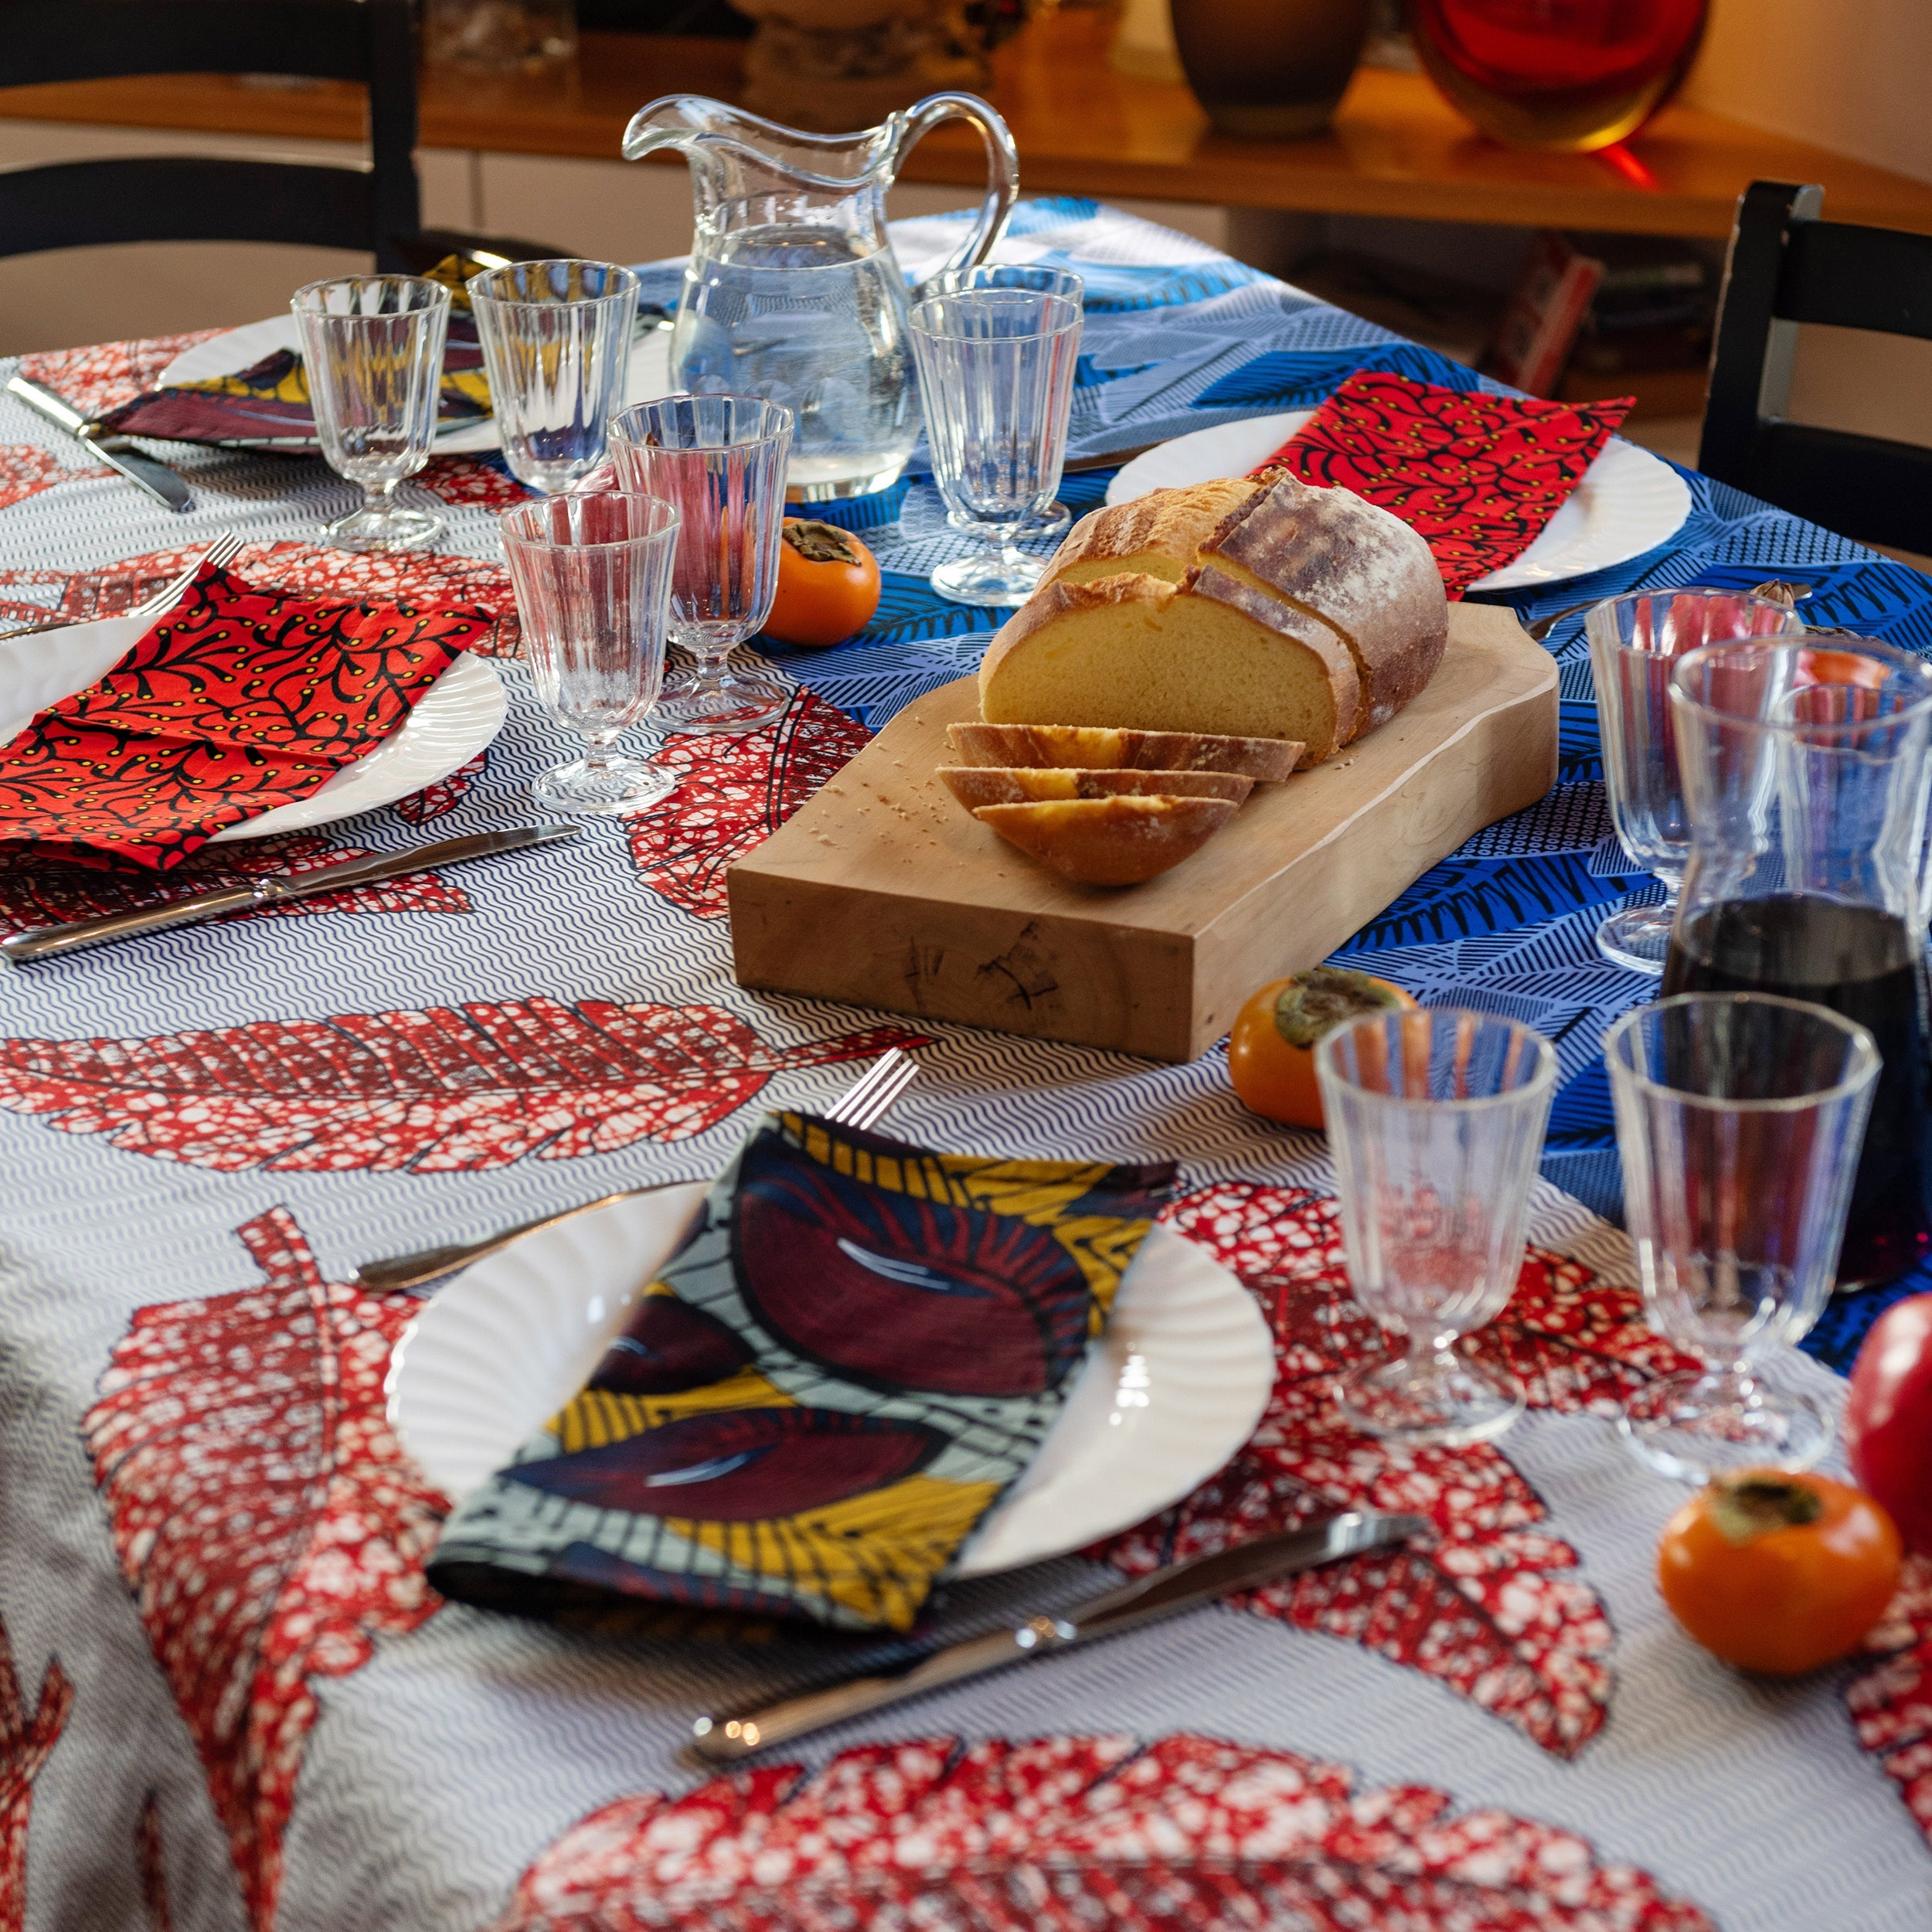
{"points": [[1271, 67]]}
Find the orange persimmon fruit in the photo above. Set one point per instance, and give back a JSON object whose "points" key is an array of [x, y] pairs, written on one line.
{"points": [[828, 585], [1271, 1050], [1778, 1571]]}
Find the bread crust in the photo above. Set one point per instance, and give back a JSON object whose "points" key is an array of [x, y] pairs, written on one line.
{"points": [[1169, 523], [1269, 760], [976, 785], [1358, 567], [1110, 841]]}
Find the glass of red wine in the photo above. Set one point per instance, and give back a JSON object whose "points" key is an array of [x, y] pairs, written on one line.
{"points": [[1635, 643], [1738, 1115], [1805, 777]]}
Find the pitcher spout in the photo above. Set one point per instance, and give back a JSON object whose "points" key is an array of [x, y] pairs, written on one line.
{"points": [[719, 137]]}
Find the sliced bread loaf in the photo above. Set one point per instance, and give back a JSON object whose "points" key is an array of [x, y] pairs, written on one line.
{"points": [[976, 785], [1084, 747], [1110, 841]]}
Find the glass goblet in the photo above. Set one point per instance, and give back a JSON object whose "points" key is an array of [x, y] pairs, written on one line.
{"points": [[372, 353], [1740, 1116], [996, 384], [555, 338], [721, 460], [592, 577], [1435, 1122]]}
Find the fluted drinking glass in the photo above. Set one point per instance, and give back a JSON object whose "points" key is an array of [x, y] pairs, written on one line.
{"points": [[721, 460], [592, 577], [372, 352], [1436, 1121]]}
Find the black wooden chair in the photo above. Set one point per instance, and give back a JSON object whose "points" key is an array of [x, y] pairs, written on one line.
{"points": [[376, 206], [1787, 267]]}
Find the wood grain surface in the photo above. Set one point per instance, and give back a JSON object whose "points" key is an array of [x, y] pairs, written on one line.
{"points": [[1396, 147], [883, 890]]}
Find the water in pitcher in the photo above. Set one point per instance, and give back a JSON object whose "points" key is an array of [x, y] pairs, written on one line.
{"points": [[810, 317]]}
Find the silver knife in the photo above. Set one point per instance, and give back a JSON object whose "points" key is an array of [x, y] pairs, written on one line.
{"points": [[1179, 1587], [149, 472], [277, 889]]}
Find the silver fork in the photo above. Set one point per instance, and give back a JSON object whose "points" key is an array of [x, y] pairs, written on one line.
{"points": [[1776, 591], [222, 550], [864, 1103]]}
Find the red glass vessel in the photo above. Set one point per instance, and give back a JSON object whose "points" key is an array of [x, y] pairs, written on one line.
{"points": [[1572, 74]]}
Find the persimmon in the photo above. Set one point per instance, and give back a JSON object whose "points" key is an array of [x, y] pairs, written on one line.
{"points": [[828, 585], [1778, 1571], [1271, 1050]]}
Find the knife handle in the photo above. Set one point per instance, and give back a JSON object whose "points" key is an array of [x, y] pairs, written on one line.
{"points": [[56, 408], [48, 941], [725, 1741]]}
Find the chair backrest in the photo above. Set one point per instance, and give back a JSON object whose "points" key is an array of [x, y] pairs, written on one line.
{"points": [[71, 204], [1787, 267]]}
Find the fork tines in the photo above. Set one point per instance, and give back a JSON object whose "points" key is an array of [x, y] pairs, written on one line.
{"points": [[869, 1096]]}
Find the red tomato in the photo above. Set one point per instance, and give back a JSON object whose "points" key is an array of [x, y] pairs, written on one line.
{"points": [[1888, 1421]]}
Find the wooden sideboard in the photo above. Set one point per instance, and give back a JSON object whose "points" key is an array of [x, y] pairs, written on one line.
{"points": [[1396, 147]]}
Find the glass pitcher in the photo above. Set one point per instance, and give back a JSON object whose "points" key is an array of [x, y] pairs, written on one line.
{"points": [[792, 291], [1805, 777]]}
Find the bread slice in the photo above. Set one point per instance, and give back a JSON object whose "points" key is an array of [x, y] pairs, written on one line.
{"points": [[1214, 656], [1110, 841], [975, 785], [1269, 759]]}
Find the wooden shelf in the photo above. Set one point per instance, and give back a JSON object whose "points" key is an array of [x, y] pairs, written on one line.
{"points": [[1396, 148]]}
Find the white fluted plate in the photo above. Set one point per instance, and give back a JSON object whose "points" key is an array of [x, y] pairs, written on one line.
{"points": [[1629, 500], [449, 725], [1172, 1390]]}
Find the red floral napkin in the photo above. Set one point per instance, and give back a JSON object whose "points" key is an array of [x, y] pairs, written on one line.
{"points": [[237, 702], [1476, 475]]}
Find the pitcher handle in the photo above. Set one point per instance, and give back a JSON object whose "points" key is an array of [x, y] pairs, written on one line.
{"points": [[1002, 166]]}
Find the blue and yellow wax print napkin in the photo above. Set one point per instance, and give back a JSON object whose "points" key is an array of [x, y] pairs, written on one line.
{"points": [[859, 1349]]}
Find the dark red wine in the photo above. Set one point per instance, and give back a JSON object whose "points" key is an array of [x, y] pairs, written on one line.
{"points": [[1859, 960]]}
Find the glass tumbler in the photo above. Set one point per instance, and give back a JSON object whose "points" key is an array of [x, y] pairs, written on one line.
{"points": [[1053, 522], [1435, 1122], [721, 460], [996, 382], [1739, 1117], [372, 352], [593, 578], [556, 343], [1633, 642]]}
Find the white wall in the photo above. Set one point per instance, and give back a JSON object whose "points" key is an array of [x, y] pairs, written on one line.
{"points": [[1855, 76]]}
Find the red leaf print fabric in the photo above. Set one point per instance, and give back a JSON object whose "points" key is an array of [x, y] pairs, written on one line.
{"points": [[237, 701], [1891, 1702], [1494, 1610], [298, 569], [444, 796], [35, 891], [102, 377], [263, 1516], [25, 470], [470, 480], [1477, 475], [733, 794], [452, 1089], [1075, 1832], [25, 1743]]}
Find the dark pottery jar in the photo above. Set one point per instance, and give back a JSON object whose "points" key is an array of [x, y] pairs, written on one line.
{"points": [[1271, 67], [1567, 74]]}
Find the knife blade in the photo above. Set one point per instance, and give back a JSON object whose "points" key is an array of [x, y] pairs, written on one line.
{"points": [[1166, 1593], [149, 472], [278, 888]]}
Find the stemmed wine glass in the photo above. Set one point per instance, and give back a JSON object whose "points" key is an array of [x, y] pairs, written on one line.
{"points": [[721, 460], [372, 352], [1435, 1120], [1739, 1119], [1635, 643], [555, 338], [592, 577]]}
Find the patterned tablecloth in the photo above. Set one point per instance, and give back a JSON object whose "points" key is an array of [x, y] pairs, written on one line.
{"points": [[227, 1698]]}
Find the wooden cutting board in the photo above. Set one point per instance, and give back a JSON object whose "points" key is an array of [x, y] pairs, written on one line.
{"points": [[882, 889]]}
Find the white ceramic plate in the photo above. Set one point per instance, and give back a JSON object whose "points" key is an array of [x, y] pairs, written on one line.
{"points": [[1628, 502], [649, 376], [452, 721], [1174, 1389]]}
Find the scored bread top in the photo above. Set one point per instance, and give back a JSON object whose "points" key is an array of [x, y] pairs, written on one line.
{"points": [[1158, 534], [976, 785], [1100, 748]]}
